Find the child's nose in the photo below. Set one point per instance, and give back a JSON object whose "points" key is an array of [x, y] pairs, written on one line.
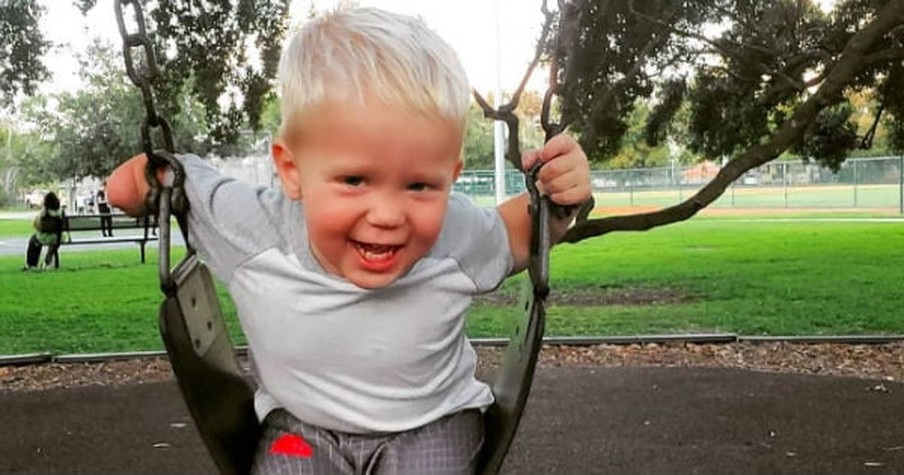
{"points": [[386, 212]]}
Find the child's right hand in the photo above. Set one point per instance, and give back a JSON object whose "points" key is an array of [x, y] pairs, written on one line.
{"points": [[127, 186]]}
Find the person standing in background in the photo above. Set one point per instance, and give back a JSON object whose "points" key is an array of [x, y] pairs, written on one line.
{"points": [[103, 207]]}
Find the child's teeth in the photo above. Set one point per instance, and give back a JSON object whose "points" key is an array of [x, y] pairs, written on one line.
{"points": [[372, 252]]}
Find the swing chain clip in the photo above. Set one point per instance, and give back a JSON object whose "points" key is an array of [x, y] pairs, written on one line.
{"points": [[540, 241]]}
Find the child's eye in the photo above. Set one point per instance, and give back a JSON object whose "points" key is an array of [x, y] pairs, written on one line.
{"points": [[353, 180], [419, 186]]}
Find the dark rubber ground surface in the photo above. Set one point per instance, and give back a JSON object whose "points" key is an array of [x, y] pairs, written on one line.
{"points": [[580, 420]]}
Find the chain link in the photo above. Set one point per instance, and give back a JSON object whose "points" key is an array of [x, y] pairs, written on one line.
{"points": [[143, 74], [163, 200], [552, 127]]}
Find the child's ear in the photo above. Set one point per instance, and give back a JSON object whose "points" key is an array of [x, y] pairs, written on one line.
{"points": [[458, 167], [287, 170]]}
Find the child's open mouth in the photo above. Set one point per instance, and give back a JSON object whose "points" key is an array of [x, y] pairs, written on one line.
{"points": [[376, 253]]}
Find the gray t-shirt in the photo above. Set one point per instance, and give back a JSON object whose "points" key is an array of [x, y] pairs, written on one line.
{"points": [[333, 354]]}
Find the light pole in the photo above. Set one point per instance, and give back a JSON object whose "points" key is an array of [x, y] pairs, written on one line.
{"points": [[498, 131], [271, 168]]}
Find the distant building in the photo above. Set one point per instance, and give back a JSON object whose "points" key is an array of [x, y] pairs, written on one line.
{"points": [[700, 173]]}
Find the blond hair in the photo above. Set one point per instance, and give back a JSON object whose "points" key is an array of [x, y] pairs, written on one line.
{"points": [[364, 54]]}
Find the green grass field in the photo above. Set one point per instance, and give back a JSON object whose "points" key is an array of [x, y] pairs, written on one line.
{"points": [[706, 275], [15, 227]]}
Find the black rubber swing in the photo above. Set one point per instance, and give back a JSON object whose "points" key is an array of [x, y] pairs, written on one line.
{"points": [[221, 400]]}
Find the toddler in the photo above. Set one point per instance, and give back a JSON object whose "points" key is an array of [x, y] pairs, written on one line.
{"points": [[352, 280]]}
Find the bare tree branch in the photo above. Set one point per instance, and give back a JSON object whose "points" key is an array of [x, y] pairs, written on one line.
{"points": [[867, 141], [886, 55], [506, 112]]}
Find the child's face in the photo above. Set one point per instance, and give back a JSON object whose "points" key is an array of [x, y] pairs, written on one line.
{"points": [[375, 182]]}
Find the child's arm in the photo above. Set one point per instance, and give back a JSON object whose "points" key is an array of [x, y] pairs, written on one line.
{"points": [[127, 186], [564, 177]]}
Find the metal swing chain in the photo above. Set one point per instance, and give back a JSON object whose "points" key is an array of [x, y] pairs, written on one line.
{"points": [[165, 200], [541, 207]]}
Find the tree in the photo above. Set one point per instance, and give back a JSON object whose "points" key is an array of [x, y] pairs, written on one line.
{"points": [[28, 157], [224, 53], [753, 79], [92, 130], [21, 69], [635, 151], [206, 48], [479, 145]]}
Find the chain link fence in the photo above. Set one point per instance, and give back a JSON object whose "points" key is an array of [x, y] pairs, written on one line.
{"points": [[861, 183], [865, 183]]}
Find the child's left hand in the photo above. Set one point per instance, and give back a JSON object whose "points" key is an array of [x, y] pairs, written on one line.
{"points": [[564, 178], [565, 174]]}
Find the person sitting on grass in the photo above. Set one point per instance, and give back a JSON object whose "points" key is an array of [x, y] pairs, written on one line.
{"points": [[352, 281], [48, 225]]}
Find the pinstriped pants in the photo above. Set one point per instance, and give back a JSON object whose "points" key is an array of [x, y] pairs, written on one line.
{"points": [[449, 445]]}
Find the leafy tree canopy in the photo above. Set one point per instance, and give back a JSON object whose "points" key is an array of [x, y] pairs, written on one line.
{"points": [[224, 53], [90, 131], [21, 49], [744, 67]]}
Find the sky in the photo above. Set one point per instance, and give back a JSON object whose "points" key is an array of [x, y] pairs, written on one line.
{"points": [[468, 25]]}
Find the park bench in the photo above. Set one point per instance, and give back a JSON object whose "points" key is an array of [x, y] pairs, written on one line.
{"points": [[85, 229]]}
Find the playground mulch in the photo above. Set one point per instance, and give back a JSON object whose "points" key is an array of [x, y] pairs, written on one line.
{"points": [[675, 408], [868, 361]]}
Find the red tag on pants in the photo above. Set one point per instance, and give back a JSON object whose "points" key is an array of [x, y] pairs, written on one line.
{"points": [[292, 445]]}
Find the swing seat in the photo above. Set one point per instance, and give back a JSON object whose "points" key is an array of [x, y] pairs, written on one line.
{"points": [[512, 385], [219, 398], [221, 401]]}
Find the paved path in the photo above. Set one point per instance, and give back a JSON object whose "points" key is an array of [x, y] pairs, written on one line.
{"points": [[580, 420], [15, 246]]}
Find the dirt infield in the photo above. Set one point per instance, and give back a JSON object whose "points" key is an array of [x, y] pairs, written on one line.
{"points": [[602, 211]]}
